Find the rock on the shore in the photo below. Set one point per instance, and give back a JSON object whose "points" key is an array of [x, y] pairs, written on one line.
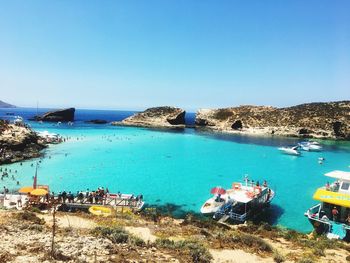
{"points": [[63, 115], [319, 120], [159, 117], [18, 143]]}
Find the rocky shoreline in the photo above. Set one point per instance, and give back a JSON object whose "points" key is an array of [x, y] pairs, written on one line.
{"points": [[18, 143], [313, 120], [329, 120]]}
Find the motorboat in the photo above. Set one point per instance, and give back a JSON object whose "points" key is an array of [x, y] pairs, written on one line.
{"points": [[310, 146], [244, 201], [214, 203], [290, 150], [331, 216], [18, 120]]}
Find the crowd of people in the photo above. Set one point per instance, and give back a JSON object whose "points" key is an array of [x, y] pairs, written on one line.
{"points": [[99, 196], [93, 197]]}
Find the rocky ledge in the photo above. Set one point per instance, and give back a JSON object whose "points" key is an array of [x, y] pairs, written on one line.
{"points": [[63, 115], [18, 143], [158, 117], [314, 120]]}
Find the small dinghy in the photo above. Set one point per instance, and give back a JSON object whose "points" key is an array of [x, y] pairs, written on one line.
{"points": [[214, 203], [100, 211]]}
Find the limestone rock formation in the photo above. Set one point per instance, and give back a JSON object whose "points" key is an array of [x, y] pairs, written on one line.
{"points": [[18, 143], [318, 120], [63, 115], [159, 117]]}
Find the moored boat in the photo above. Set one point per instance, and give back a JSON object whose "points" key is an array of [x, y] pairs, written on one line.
{"points": [[310, 146], [214, 203], [239, 203], [290, 150], [332, 216], [245, 201]]}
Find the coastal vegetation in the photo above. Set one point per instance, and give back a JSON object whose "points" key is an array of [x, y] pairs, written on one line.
{"points": [[137, 238]]}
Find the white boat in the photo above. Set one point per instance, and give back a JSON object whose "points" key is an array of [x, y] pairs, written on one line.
{"points": [[214, 203], [310, 146], [290, 150], [330, 216], [244, 201], [240, 202], [18, 120]]}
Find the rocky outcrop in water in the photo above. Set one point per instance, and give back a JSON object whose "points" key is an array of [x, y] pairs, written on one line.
{"points": [[158, 117], [63, 115], [18, 143], [6, 105], [97, 121], [319, 120]]}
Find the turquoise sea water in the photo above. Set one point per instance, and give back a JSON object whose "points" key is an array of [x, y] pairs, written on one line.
{"points": [[180, 167]]}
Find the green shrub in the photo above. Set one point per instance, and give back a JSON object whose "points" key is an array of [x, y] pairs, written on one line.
{"points": [[30, 216], [115, 234], [305, 260], [256, 242], [195, 250], [278, 257], [36, 227], [136, 241]]}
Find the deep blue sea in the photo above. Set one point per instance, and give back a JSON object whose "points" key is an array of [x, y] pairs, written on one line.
{"points": [[177, 167]]}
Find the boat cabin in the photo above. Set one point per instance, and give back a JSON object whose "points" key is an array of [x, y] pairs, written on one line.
{"points": [[332, 215]]}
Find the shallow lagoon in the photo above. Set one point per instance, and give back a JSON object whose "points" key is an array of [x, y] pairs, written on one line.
{"points": [[180, 167]]}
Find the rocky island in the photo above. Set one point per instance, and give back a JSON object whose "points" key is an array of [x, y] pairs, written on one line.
{"points": [[158, 117], [18, 143], [64, 115], [314, 120]]}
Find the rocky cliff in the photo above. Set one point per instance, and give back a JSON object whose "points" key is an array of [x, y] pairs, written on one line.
{"points": [[160, 117], [63, 115], [319, 120], [18, 143]]}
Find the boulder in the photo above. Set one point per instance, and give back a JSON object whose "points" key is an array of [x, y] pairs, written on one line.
{"points": [[160, 117], [63, 115]]}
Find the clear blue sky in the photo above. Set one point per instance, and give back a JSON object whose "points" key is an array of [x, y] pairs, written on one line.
{"points": [[191, 53]]}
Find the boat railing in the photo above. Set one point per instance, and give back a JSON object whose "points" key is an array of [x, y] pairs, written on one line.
{"points": [[331, 188], [314, 210], [238, 217]]}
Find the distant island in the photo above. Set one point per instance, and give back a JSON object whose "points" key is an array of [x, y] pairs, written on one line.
{"points": [[323, 120], [6, 105], [313, 120]]}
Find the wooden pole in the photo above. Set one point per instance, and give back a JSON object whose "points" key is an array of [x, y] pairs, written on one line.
{"points": [[53, 230]]}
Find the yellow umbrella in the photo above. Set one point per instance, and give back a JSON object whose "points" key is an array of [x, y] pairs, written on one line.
{"points": [[26, 189], [38, 192]]}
